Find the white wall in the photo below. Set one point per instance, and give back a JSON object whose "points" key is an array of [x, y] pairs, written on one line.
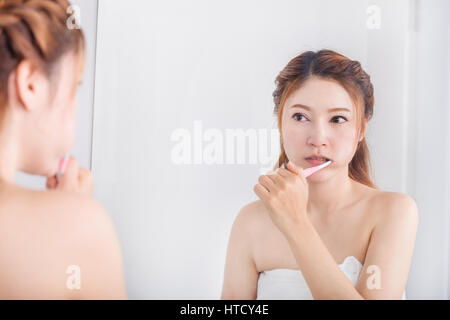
{"points": [[429, 272], [410, 127], [170, 63]]}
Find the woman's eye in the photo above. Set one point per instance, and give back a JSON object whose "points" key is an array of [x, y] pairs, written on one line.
{"points": [[340, 117], [297, 116]]}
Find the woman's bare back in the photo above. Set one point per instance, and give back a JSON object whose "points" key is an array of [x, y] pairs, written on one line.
{"points": [[46, 237]]}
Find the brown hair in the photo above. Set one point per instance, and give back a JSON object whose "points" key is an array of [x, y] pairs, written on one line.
{"points": [[331, 65], [35, 30]]}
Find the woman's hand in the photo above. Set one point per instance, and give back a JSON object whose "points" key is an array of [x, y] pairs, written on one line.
{"points": [[285, 194], [75, 178]]}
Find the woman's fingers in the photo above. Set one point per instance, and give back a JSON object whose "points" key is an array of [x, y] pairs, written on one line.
{"points": [[297, 170], [266, 182], [261, 192], [86, 182], [292, 167], [285, 173], [76, 178], [278, 179], [52, 182], [69, 179], [275, 178]]}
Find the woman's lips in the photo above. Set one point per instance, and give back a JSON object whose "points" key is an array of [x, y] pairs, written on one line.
{"points": [[316, 162]]}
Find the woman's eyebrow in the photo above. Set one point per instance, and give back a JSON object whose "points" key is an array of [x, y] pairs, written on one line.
{"points": [[309, 109]]}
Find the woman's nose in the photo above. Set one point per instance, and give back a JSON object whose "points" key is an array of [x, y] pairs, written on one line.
{"points": [[317, 136]]}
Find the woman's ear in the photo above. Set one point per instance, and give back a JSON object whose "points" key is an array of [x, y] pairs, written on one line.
{"points": [[363, 131], [31, 85]]}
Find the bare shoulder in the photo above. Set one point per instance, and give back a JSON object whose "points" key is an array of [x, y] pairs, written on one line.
{"points": [[391, 244], [253, 217], [394, 206], [253, 210], [241, 273], [254, 228], [57, 213], [54, 231]]}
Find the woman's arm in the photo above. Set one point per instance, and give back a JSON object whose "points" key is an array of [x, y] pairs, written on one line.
{"points": [[285, 193], [390, 251], [388, 257], [241, 275], [100, 257]]}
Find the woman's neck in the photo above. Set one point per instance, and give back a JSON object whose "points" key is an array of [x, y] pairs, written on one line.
{"points": [[328, 197], [9, 150]]}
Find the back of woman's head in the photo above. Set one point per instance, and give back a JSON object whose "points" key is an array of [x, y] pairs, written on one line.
{"points": [[34, 30], [327, 64], [41, 63]]}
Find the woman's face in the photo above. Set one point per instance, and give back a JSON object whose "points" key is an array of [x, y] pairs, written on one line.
{"points": [[311, 126]]}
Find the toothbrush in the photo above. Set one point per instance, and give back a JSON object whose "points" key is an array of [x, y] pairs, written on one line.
{"points": [[62, 166], [309, 171]]}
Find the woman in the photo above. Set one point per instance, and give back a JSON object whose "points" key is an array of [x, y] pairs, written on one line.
{"points": [[59, 243], [333, 235]]}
